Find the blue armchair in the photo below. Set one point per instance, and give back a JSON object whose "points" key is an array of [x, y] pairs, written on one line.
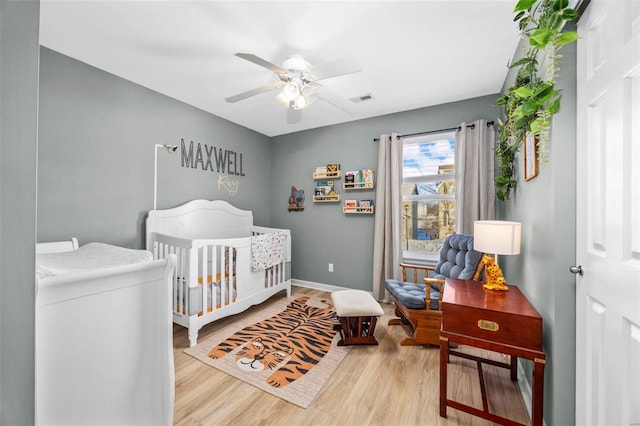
{"points": [[419, 314]]}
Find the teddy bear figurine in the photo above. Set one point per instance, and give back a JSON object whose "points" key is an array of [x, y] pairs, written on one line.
{"points": [[493, 273]]}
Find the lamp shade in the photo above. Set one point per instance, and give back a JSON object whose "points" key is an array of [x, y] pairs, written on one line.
{"points": [[497, 236]]}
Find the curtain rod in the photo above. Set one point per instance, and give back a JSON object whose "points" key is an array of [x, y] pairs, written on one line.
{"points": [[428, 132]]}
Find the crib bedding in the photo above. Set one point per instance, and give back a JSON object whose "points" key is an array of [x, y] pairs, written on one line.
{"points": [[88, 257], [267, 250]]}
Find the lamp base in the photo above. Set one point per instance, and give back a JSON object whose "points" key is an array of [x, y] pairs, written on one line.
{"points": [[495, 278]]}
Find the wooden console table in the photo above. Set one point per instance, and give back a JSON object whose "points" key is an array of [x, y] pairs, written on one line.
{"points": [[499, 321]]}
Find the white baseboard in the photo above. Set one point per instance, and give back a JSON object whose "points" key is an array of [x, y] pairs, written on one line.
{"points": [[318, 286]]}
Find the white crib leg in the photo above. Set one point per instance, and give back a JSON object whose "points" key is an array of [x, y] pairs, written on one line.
{"points": [[193, 331]]}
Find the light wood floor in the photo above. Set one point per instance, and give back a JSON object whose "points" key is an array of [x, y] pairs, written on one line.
{"points": [[374, 385]]}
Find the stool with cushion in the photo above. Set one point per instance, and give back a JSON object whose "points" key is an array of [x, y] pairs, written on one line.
{"points": [[419, 314], [358, 313]]}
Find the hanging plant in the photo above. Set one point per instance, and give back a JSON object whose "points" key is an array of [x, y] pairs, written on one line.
{"points": [[532, 100]]}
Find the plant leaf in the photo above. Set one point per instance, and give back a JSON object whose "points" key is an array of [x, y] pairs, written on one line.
{"points": [[566, 38], [547, 96], [569, 14], [537, 126], [524, 5], [555, 22], [540, 38], [545, 85], [523, 92], [554, 106], [527, 108], [523, 23], [521, 61], [560, 4], [522, 122]]}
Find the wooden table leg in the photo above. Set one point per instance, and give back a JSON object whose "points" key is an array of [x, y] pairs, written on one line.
{"points": [[514, 368], [538, 388], [444, 359]]}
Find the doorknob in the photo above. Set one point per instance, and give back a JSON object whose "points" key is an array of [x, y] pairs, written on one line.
{"points": [[576, 270]]}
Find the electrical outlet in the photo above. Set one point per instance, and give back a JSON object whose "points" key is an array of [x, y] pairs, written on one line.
{"points": [[331, 267]]}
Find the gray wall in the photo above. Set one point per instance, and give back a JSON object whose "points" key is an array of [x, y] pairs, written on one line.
{"points": [[18, 147], [547, 209], [96, 155], [322, 234]]}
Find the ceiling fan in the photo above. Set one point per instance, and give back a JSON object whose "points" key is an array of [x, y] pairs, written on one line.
{"points": [[299, 83]]}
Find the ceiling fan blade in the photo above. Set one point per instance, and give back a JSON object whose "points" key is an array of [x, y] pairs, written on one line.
{"points": [[262, 62], [249, 93], [337, 100], [293, 115], [342, 66]]}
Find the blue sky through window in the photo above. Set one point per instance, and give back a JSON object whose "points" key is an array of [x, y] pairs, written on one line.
{"points": [[425, 158]]}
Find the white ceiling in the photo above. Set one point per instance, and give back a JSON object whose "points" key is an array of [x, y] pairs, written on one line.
{"points": [[414, 53]]}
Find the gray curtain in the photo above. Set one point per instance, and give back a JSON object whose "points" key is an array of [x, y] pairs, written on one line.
{"points": [[475, 175], [387, 253]]}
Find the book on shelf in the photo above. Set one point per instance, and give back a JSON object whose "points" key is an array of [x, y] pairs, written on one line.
{"points": [[332, 167], [324, 187], [350, 205], [366, 175], [359, 178]]}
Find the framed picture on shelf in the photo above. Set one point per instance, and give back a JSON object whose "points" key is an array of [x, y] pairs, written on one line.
{"points": [[365, 204], [530, 156]]}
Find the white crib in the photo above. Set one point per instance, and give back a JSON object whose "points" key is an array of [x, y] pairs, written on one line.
{"points": [[213, 242]]}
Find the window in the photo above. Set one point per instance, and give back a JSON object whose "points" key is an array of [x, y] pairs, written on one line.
{"points": [[428, 195]]}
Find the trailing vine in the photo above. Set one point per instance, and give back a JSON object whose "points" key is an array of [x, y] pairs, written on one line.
{"points": [[532, 100]]}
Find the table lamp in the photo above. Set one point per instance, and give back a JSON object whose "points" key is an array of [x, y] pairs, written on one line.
{"points": [[497, 237]]}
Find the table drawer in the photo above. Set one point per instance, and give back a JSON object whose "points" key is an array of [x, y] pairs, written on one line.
{"points": [[500, 327]]}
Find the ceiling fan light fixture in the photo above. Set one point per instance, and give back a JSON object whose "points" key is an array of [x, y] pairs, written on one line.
{"points": [[291, 91], [300, 102], [282, 100], [310, 93]]}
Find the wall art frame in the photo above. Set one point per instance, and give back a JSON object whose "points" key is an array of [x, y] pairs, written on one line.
{"points": [[530, 156]]}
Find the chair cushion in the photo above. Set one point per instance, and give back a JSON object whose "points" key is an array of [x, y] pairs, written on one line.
{"points": [[434, 296], [410, 295], [458, 259]]}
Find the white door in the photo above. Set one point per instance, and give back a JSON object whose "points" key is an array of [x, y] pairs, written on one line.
{"points": [[608, 215]]}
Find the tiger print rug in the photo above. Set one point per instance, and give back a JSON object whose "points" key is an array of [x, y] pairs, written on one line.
{"points": [[288, 349]]}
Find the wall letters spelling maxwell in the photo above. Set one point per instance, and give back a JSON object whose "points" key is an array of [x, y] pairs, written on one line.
{"points": [[206, 157]]}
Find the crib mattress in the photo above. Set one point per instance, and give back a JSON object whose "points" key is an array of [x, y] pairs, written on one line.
{"points": [[88, 257]]}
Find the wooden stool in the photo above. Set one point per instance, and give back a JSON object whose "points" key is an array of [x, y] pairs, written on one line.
{"points": [[358, 313]]}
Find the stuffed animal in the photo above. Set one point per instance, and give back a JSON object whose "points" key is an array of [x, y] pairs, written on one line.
{"points": [[493, 273]]}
